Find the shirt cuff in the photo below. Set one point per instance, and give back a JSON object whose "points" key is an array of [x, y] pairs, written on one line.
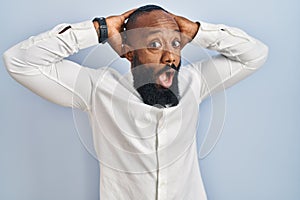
{"points": [[85, 34]]}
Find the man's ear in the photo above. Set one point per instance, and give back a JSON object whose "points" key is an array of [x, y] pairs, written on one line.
{"points": [[127, 52]]}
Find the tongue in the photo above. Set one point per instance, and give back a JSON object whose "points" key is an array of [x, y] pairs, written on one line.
{"points": [[164, 80]]}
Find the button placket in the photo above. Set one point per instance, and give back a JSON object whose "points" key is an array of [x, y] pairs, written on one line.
{"points": [[162, 138]]}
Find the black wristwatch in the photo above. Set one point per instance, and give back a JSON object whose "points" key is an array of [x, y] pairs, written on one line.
{"points": [[102, 29]]}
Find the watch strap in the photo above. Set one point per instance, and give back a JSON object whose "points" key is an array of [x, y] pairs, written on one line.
{"points": [[103, 32]]}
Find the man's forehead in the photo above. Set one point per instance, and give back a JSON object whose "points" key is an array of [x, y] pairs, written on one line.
{"points": [[135, 36], [159, 31], [156, 19]]}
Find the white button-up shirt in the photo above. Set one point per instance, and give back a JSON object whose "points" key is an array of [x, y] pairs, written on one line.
{"points": [[145, 153]]}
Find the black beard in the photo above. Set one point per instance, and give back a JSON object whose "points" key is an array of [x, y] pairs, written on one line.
{"points": [[152, 93]]}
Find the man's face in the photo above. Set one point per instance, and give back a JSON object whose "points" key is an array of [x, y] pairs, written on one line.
{"points": [[154, 39]]}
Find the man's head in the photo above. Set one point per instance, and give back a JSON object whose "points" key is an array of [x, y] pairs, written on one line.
{"points": [[153, 45]]}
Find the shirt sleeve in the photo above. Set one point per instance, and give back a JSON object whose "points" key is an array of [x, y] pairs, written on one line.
{"points": [[38, 63], [240, 55]]}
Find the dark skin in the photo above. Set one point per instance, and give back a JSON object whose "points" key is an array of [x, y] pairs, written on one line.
{"points": [[157, 45]]}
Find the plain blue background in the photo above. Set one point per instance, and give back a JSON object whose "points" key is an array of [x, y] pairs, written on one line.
{"points": [[257, 157]]}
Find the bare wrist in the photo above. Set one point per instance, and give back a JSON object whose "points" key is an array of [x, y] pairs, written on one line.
{"points": [[96, 25]]}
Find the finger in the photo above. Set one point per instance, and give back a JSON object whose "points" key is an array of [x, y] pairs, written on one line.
{"points": [[173, 15], [178, 17], [128, 13]]}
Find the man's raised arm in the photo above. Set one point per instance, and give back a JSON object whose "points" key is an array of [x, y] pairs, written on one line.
{"points": [[240, 54], [39, 62]]}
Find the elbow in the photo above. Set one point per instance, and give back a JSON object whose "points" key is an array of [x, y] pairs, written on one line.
{"points": [[264, 53], [14, 61], [259, 56], [8, 58]]}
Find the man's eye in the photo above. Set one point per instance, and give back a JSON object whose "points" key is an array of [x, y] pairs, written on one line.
{"points": [[176, 43], [155, 44]]}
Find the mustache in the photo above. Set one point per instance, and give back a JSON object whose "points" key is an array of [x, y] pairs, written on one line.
{"points": [[167, 67]]}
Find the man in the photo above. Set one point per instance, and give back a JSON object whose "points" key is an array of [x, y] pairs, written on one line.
{"points": [[144, 123]]}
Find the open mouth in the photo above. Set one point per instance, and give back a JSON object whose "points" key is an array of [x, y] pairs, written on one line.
{"points": [[165, 78]]}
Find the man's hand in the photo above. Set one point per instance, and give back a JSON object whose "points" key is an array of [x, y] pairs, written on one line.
{"points": [[187, 28], [115, 25]]}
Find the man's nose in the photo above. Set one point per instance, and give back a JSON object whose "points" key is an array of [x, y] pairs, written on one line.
{"points": [[168, 57]]}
